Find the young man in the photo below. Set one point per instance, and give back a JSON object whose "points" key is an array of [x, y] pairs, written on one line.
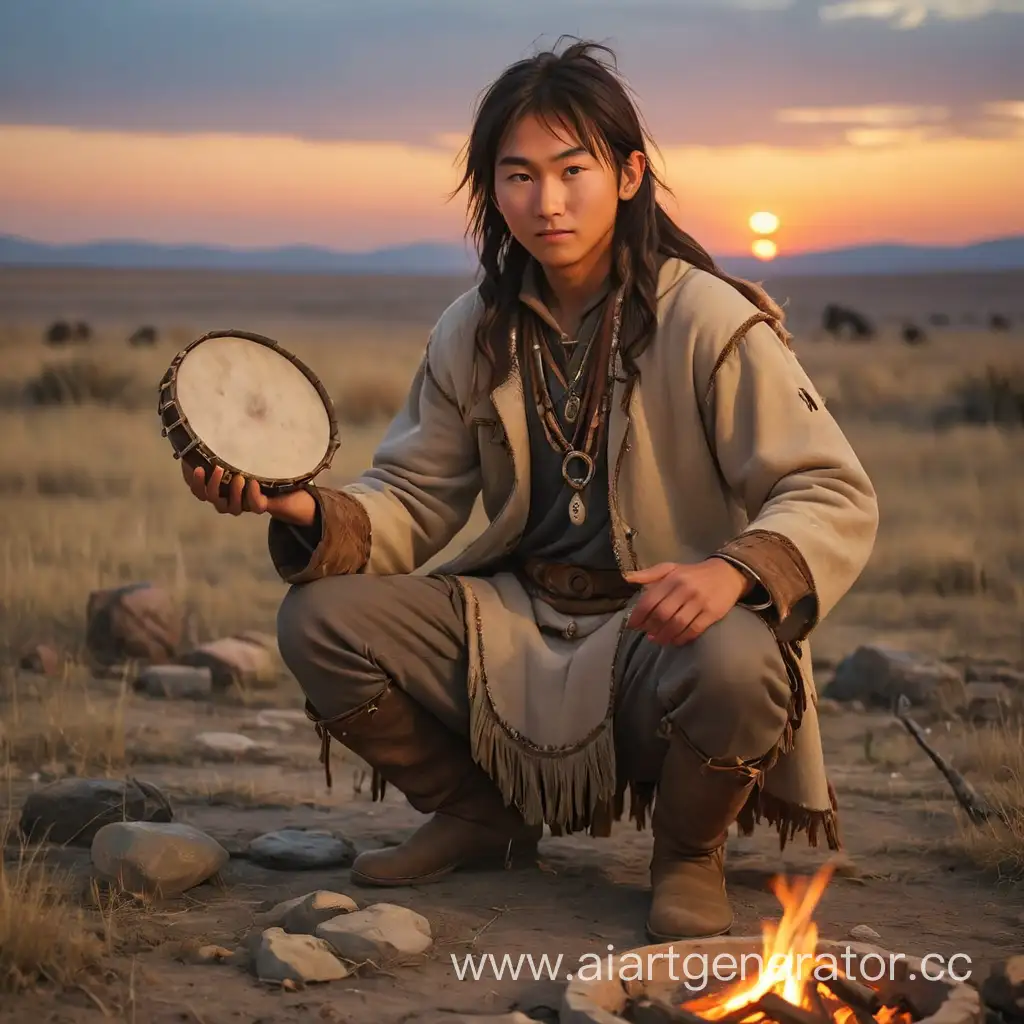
{"points": [[672, 510]]}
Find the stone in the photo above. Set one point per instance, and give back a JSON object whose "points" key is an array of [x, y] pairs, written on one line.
{"points": [[72, 811], [234, 662], [281, 957], [139, 622], [1003, 989], [156, 858], [863, 933], [271, 723], [231, 744], [879, 675], [302, 915], [212, 955], [293, 849], [175, 682], [988, 702], [291, 715], [381, 932], [42, 658], [828, 706]]}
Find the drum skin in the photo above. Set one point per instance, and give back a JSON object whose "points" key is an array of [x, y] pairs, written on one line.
{"points": [[195, 452]]}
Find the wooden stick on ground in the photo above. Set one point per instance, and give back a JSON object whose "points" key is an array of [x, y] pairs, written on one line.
{"points": [[967, 796]]}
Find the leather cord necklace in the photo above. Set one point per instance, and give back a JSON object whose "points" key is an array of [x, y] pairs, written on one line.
{"points": [[553, 432]]}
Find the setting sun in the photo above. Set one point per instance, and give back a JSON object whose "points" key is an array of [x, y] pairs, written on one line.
{"points": [[763, 223], [764, 249]]}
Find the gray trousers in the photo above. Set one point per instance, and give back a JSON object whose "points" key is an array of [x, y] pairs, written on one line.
{"points": [[345, 637]]}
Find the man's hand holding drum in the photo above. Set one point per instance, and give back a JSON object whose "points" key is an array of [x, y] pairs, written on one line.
{"points": [[295, 507]]}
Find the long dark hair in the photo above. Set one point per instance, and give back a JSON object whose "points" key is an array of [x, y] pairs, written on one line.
{"points": [[580, 91]]}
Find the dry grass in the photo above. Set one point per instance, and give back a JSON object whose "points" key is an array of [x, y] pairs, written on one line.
{"points": [[45, 934], [63, 723], [92, 497], [993, 757], [219, 792]]}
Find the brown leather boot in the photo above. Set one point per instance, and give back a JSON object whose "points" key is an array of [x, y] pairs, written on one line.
{"points": [[695, 805], [414, 751]]}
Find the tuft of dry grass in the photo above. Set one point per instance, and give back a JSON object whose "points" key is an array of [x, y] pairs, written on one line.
{"points": [[993, 758], [44, 934], [101, 503], [993, 397], [88, 382], [64, 724]]}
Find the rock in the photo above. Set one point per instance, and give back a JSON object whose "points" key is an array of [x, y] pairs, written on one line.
{"points": [[291, 849], [1003, 989], [42, 658], [265, 640], [987, 702], [879, 675], [828, 706], [380, 932], [271, 724], [978, 671], [292, 716], [232, 744], [862, 933], [282, 957], [139, 622], [233, 661], [857, 706], [176, 682], [302, 915], [212, 955], [72, 811], [162, 859]]}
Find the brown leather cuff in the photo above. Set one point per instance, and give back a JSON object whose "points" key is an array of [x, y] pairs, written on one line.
{"points": [[342, 547], [783, 573]]}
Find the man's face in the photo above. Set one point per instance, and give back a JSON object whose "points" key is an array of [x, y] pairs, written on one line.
{"points": [[558, 201]]}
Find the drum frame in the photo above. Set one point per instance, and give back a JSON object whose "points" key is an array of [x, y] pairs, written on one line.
{"points": [[191, 449]]}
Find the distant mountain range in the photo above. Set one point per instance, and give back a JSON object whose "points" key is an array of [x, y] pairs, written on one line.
{"points": [[440, 258]]}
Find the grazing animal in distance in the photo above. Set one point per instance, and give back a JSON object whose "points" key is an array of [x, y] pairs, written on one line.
{"points": [[913, 335], [846, 324], [143, 336]]}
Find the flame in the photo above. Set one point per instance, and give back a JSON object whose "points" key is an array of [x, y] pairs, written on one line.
{"points": [[788, 960]]}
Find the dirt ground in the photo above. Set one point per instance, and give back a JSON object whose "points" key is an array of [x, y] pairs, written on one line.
{"points": [[903, 873], [91, 498]]}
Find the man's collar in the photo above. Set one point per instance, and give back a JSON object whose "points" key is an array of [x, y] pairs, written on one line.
{"points": [[531, 294]]}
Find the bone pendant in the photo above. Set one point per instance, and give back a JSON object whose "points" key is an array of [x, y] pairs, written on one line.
{"points": [[577, 511]]}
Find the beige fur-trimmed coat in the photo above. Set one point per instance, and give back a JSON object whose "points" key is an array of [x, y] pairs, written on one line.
{"points": [[721, 444]]}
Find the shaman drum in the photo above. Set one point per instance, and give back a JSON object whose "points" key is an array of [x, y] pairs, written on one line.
{"points": [[239, 401]]}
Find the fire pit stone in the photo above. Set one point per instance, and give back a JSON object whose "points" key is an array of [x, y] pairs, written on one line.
{"points": [[610, 999]]}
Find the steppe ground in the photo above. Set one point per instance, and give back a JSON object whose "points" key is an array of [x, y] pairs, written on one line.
{"points": [[91, 498]]}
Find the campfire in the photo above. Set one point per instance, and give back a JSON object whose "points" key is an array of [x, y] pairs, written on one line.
{"points": [[793, 980]]}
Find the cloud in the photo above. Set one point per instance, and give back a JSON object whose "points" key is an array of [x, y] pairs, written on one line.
{"points": [[908, 14], [878, 116], [707, 72], [881, 125]]}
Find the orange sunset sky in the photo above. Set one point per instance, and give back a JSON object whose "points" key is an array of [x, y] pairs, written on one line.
{"points": [[266, 122]]}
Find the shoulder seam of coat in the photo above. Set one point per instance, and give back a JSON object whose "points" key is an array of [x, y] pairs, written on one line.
{"points": [[733, 343]]}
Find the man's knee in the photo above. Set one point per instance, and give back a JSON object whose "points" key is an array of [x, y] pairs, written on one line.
{"points": [[318, 626], [734, 674], [739, 659]]}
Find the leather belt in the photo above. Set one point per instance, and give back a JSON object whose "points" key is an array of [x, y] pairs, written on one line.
{"points": [[573, 589]]}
